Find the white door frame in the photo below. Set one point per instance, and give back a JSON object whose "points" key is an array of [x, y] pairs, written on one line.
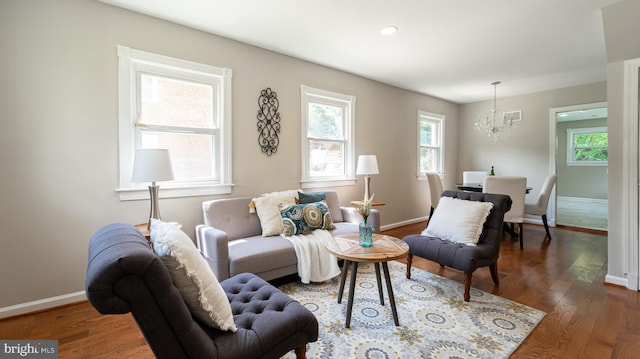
{"points": [[631, 219], [553, 144]]}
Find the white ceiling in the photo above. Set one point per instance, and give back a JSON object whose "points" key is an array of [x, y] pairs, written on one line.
{"points": [[451, 49]]}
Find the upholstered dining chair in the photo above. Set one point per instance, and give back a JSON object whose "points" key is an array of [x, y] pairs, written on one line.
{"points": [[539, 208], [515, 187], [474, 176], [435, 190]]}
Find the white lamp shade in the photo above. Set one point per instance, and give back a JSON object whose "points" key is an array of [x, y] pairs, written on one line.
{"points": [[152, 165], [367, 165]]}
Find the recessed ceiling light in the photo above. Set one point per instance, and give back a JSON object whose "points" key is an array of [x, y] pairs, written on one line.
{"points": [[388, 30]]}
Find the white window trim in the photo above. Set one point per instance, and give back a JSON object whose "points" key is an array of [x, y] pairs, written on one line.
{"points": [[573, 131], [306, 94], [129, 59], [432, 117]]}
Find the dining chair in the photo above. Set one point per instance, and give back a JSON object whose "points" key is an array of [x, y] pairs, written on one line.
{"points": [[435, 190], [474, 176], [539, 208], [515, 187]]}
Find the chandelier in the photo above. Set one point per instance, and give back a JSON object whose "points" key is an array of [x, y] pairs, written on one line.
{"points": [[495, 125]]}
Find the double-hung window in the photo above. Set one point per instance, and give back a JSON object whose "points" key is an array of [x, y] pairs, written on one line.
{"points": [[587, 146], [181, 106], [430, 143], [327, 138]]}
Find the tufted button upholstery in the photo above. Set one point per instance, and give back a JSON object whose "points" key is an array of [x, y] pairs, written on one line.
{"points": [[124, 275], [460, 256]]}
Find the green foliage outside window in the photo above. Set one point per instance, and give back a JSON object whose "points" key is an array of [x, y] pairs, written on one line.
{"points": [[325, 121], [591, 147]]}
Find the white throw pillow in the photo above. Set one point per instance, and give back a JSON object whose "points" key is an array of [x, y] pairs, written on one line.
{"points": [[458, 220], [192, 276], [268, 210]]}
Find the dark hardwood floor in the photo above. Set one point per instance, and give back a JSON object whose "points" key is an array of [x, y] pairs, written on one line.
{"points": [[563, 277]]}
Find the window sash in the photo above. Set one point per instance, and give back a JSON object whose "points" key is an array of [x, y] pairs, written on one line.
{"points": [[134, 63], [343, 173], [433, 145], [573, 149]]}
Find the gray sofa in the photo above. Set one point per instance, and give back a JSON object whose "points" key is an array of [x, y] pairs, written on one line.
{"points": [[231, 238]]}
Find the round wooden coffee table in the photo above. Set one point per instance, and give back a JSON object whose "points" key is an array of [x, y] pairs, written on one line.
{"points": [[385, 248]]}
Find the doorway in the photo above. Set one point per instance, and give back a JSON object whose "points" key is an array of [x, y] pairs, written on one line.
{"points": [[580, 160]]}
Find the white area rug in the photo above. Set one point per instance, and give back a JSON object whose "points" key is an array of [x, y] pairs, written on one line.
{"points": [[435, 322]]}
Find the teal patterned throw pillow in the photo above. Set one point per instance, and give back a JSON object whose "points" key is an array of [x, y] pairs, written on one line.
{"points": [[304, 218]]}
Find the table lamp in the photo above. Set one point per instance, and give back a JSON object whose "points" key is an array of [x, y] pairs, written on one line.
{"points": [[152, 165], [367, 165]]}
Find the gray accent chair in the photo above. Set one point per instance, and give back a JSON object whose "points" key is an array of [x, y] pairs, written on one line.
{"points": [[460, 256], [124, 275]]}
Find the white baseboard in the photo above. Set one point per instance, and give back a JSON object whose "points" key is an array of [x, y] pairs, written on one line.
{"points": [[42, 304], [621, 281], [598, 201], [403, 223]]}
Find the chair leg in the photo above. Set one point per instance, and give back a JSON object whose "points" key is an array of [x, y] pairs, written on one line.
{"points": [[467, 286], [493, 269], [409, 259], [301, 352], [521, 235], [546, 225]]}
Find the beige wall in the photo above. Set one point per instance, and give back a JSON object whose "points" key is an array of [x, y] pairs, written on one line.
{"points": [[59, 158], [621, 28], [526, 151]]}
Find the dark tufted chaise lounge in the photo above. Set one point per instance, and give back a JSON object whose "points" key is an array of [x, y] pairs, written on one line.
{"points": [[460, 256], [125, 275]]}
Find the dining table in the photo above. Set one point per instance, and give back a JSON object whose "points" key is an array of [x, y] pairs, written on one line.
{"points": [[477, 187]]}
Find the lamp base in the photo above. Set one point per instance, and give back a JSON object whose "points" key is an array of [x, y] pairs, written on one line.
{"points": [[155, 210], [367, 187]]}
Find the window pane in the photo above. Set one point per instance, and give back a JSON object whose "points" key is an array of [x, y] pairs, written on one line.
{"points": [[172, 102], [326, 121], [427, 134], [591, 154], [428, 158], [591, 140], [191, 154], [326, 158]]}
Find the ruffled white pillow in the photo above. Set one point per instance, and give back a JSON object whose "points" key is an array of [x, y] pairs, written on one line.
{"points": [[193, 277], [268, 210], [458, 220]]}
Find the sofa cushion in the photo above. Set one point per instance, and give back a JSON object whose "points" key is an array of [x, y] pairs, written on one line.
{"points": [[310, 197], [190, 273], [333, 202], [260, 255], [304, 218], [267, 208], [458, 220]]}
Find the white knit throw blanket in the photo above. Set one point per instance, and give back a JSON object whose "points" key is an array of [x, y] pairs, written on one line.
{"points": [[315, 263]]}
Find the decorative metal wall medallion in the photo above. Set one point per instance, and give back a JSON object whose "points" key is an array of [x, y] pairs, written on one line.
{"points": [[268, 121]]}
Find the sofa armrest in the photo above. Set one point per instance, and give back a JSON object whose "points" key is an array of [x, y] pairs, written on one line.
{"points": [[214, 246], [351, 215]]}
